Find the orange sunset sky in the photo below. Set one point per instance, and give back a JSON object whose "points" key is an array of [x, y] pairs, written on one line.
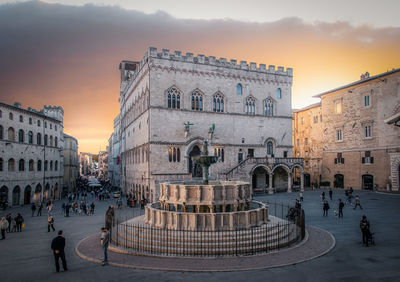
{"points": [[68, 55]]}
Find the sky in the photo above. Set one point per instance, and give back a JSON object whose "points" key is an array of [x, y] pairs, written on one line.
{"points": [[67, 53]]}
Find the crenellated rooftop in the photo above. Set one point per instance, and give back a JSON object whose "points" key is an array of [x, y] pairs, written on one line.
{"points": [[211, 60]]}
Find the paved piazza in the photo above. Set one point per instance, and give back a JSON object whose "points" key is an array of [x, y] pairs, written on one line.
{"points": [[26, 256]]}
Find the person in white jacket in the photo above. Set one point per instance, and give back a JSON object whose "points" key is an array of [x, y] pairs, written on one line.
{"points": [[3, 226]]}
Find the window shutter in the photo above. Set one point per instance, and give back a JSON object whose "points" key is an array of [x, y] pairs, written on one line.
{"points": [[342, 160], [335, 161], [372, 160], [363, 160]]}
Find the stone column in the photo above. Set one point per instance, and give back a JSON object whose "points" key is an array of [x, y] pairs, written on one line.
{"points": [[289, 188], [270, 189], [302, 181]]}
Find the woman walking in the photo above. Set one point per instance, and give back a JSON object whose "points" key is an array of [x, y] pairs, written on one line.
{"points": [[50, 223]]}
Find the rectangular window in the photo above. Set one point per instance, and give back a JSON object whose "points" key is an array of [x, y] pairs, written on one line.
{"points": [[367, 131], [285, 154], [339, 159], [339, 136], [306, 141], [302, 121], [30, 120], [338, 106], [250, 153], [298, 142], [366, 101], [367, 159], [306, 163]]}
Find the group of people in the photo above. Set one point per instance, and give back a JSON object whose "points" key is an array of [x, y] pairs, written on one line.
{"points": [[341, 204], [11, 224], [82, 208]]}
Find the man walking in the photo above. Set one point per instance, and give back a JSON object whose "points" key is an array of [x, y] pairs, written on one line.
{"points": [[341, 205], [39, 212], [33, 208], [330, 194], [105, 240], [325, 208], [58, 245], [364, 226]]}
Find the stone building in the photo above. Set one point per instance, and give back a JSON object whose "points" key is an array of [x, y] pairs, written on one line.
{"points": [[31, 160], [170, 103], [360, 145], [103, 164], [114, 156], [86, 164], [71, 163], [307, 141]]}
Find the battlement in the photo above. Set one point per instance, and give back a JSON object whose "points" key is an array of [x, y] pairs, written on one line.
{"points": [[211, 60]]}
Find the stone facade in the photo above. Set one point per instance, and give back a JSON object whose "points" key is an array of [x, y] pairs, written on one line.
{"points": [[86, 164], [31, 160], [71, 163], [307, 141], [357, 143], [170, 103], [103, 164], [114, 156]]}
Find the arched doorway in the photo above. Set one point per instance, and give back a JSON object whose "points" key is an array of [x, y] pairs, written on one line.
{"points": [[194, 168], [368, 181], [38, 193], [3, 194], [260, 179], [280, 179], [27, 195], [46, 191], [338, 181], [16, 195]]}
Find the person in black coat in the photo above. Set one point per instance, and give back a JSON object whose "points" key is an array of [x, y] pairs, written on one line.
{"points": [[58, 245], [325, 208], [341, 206]]}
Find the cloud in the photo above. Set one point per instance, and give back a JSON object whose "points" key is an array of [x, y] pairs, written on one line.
{"points": [[69, 56]]}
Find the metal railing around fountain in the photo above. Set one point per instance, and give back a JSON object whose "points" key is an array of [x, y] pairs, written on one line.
{"points": [[139, 238]]}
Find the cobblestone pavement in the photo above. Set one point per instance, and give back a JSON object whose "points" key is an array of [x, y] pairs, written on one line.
{"points": [[26, 256]]}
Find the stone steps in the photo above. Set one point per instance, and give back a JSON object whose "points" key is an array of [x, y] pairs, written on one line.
{"points": [[162, 242]]}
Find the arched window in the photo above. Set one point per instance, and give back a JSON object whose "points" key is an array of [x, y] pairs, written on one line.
{"points": [[21, 118], [170, 154], [55, 141], [270, 148], [51, 141], [30, 137], [56, 166], [11, 116], [45, 139], [197, 101], [174, 154], [31, 165], [1, 164], [173, 98], [11, 164], [21, 136], [30, 120], [250, 106], [51, 165], [178, 155], [39, 165], [219, 152], [45, 165], [38, 122], [269, 107], [239, 89], [218, 103], [39, 139], [21, 165], [1, 132], [1, 114], [11, 134], [279, 93]]}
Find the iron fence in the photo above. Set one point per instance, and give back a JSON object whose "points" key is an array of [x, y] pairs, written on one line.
{"points": [[138, 238]]}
